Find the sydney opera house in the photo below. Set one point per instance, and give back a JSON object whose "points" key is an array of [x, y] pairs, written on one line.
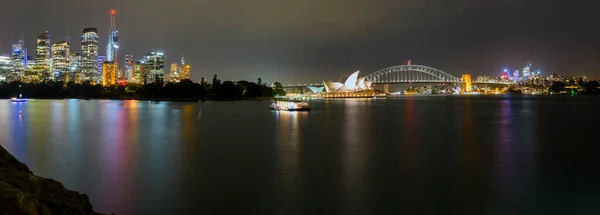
{"points": [[353, 84], [352, 87]]}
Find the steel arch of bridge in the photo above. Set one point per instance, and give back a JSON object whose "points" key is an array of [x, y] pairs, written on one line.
{"points": [[411, 74]]}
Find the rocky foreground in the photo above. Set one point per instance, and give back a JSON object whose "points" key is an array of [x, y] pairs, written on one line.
{"points": [[21, 192]]}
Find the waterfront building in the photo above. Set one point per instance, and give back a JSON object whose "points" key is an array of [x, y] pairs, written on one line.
{"points": [[156, 64], [174, 73], [353, 83], [42, 55], [109, 73], [60, 59], [89, 54], [5, 66], [101, 60], [112, 49], [467, 79], [128, 67]]}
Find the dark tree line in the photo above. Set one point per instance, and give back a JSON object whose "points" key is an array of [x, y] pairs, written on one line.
{"points": [[183, 90]]}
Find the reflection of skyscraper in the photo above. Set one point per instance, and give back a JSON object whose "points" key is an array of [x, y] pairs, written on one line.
{"points": [[89, 53], [42, 54], [112, 53]]}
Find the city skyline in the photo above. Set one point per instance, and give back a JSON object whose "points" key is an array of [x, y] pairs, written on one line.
{"points": [[297, 47]]}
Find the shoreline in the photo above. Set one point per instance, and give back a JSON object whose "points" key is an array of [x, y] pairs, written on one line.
{"points": [[155, 99]]}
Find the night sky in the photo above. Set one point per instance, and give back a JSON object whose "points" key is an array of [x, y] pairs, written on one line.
{"points": [[312, 40]]}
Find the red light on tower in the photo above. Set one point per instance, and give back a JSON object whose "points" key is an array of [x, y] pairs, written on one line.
{"points": [[112, 12]]}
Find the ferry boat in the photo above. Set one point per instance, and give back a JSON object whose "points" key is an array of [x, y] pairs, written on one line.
{"points": [[15, 99], [289, 106]]}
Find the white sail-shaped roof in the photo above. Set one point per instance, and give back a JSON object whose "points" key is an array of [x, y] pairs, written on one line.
{"points": [[351, 81]]}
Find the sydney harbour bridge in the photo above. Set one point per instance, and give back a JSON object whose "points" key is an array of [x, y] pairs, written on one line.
{"points": [[402, 74]]}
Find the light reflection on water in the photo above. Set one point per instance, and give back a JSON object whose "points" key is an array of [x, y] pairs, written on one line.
{"points": [[479, 155]]}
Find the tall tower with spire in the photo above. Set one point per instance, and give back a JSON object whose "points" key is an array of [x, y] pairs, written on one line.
{"points": [[112, 49]]}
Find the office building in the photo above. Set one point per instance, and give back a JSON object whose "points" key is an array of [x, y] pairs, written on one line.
{"points": [[89, 54], [156, 64], [60, 59], [128, 67], [42, 55], [112, 49], [139, 71], [184, 70], [174, 73], [109, 73], [19, 57], [101, 60]]}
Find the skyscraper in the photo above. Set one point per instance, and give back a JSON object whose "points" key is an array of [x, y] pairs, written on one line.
{"points": [[138, 72], [75, 62], [156, 64], [112, 49], [184, 70], [60, 59], [101, 60], [42, 55], [19, 57], [109, 73], [89, 53], [174, 73], [527, 71], [128, 67]]}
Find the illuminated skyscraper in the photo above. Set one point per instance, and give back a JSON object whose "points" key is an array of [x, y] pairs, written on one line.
{"points": [[139, 72], [112, 49], [109, 73], [184, 70], [467, 79], [527, 71], [75, 62], [42, 55], [89, 54], [101, 60], [128, 67], [156, 64], [60, 58], [19, 57], [174, 73]]}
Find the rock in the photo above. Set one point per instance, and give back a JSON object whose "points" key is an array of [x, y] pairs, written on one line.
{"points": [[21, 192]]}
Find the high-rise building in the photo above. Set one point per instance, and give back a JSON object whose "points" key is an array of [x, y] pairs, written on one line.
{"points": [[156, 64], [174, 73], [60, 59], [89, 54], [128, 67], [42, 55], [112, 49], [139, 72], [19, 57], [184, 70], [109, 73], [75, 62], [101, 60], [527, 71]]}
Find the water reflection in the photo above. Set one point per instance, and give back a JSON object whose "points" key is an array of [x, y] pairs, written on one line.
{"points": [[288, 141], [355, 154]]}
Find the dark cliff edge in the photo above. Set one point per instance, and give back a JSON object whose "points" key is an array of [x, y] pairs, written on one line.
{"points": [[21, 192]]}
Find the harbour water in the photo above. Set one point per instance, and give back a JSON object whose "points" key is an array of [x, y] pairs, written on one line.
{"points": [[412, 155]]}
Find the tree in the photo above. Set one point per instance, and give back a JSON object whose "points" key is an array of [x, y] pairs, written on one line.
{"points": [[279, 89], [259, 81]]}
